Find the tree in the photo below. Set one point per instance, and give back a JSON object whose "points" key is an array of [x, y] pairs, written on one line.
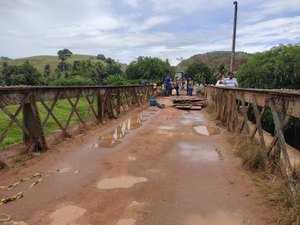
{"points": [[222, 69], [63, 55], [152, 69], [101, 57], [24, 74], [277, 68], [47, 70], [200, 73]]}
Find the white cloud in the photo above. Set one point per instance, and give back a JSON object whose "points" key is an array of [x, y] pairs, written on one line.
{"points": [[132, 3], [125, 29]]}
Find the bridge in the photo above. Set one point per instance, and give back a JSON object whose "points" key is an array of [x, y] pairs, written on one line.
{"points": [[147, 165]]}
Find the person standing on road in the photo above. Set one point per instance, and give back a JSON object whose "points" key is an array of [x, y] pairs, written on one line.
{"points": [[191, 87], [167, 84], [231, 81], [177, 86]]}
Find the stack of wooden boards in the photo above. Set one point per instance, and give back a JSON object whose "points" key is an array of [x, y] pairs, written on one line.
{"points": [[189, 104]]}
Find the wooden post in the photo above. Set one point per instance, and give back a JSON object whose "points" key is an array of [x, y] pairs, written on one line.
{"points": [[259, 127], [99, 107], [281, 140], [245, 125], [32, 122], [119, 101]]}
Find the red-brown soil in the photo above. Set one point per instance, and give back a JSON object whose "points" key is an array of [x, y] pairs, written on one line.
{"points": [[161, 173]]}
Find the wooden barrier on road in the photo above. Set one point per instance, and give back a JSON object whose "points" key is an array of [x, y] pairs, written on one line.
{"points": [[229, 103], [110, 102]]}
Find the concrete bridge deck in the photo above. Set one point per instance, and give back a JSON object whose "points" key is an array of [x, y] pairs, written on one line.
{"points": [[160, 172]]}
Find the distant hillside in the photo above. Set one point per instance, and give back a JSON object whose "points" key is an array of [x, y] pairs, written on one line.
{"points": [[215, 59], [39, 62]]}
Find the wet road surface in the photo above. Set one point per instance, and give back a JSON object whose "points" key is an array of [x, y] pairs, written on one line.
{"points": [[154, 167]]}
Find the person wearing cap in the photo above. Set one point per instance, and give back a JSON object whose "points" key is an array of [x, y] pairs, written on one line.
{"points": [[230, 81]]}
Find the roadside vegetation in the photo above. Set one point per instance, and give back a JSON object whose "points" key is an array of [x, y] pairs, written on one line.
{"points": [[269, 178]]}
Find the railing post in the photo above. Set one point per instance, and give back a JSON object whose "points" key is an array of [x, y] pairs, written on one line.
{"points": [[35, 138], [281, 140], [99, 107]]}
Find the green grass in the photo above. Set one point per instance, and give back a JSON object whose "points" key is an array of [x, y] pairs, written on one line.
{"points": [[61, 110]]}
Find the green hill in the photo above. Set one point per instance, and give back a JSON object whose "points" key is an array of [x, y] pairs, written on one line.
{"points": [[215, 59], [39, 62]]}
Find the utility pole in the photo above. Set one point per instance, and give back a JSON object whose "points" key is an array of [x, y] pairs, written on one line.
{"points": [[233, 36]]}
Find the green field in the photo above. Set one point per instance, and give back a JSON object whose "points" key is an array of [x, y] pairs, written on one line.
{"points": [[61, 110]]}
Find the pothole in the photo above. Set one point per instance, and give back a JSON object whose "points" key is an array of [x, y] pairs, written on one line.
{"points": [[207, 130], [126, 222], [199, 151], [165, 127], [66, 215], [120, 182]]}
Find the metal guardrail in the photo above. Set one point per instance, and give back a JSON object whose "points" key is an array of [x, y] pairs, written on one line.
{"points": [[111, 101], [232, 104]]}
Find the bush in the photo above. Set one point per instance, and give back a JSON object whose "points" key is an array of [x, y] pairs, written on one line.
{"points": [[72, 81], [116, 80]]}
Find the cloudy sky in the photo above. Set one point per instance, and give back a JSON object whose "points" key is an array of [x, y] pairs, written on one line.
{"points": [[125, 29]]}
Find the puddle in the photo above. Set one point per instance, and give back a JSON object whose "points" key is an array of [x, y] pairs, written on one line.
{"points": [[166, 133], [126, 222], [167, 128], [64, 170], [131, 158], [15, 223], [218, 217], [207, 130], [198, 152], [135, 203], [120, 182], [66, 215], [112, 139], [91, 146], [193, 116]]}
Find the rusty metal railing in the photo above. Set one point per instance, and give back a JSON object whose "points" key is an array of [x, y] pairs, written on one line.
{"points": [[232, 105], [103, 102]]}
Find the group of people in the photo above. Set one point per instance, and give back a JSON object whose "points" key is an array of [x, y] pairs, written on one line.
{"points": [[188, 85], [170, 85], [229, 81]]}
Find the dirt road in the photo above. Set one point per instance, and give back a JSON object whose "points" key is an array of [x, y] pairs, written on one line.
{"points": [[153, 167]]}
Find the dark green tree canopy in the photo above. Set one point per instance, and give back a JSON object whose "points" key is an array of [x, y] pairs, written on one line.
{"points": [[101, 57], [277, 68], [152, 69], [64, 54], [24, 74], [200, 72]]}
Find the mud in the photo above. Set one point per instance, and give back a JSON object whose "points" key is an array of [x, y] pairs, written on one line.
{"points": [[126, 222]]}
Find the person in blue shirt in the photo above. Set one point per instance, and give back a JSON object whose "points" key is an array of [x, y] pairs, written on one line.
{"points": [[167, 84], [230, 81]]}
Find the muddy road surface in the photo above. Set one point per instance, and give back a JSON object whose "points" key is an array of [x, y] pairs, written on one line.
{"points": [[151, 167]]}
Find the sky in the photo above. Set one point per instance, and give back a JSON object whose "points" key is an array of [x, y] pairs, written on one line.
{"points": [[126, 29]]}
